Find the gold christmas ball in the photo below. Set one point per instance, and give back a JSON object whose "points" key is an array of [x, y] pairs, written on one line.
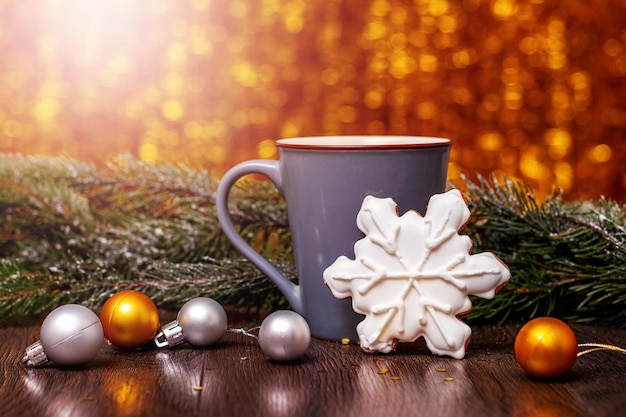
{"points": [[130, 319], [546, 347]]}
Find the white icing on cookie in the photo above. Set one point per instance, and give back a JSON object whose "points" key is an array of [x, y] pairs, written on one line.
{"points": [[412, 275]]}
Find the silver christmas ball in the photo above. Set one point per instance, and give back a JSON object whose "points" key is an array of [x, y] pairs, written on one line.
{"points": [[284, 335], [71, 335], [203, 321]]}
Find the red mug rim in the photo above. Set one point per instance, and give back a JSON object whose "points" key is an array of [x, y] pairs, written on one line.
{"points": [[362, 142]]}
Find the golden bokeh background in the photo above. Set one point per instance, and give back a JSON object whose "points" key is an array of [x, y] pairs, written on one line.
{"points": [[534, 89]]}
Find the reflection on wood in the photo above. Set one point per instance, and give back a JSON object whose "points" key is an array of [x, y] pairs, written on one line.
{"points": [[234, 378]]}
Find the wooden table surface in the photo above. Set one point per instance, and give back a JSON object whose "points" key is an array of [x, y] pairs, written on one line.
{"points": [[234, 378]]}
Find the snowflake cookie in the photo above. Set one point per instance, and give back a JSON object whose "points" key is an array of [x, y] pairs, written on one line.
{"points": [[412, 275]]}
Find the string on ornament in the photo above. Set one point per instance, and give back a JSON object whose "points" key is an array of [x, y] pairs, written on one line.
{"points": [[283, 336], [594, 347], [245, 332]]}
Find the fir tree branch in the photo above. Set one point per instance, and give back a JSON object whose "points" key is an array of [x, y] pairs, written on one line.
{"points": [[74, 233], [232, 282], [566, 260]]}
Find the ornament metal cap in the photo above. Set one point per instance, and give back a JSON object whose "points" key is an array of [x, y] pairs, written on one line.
{"points": [[35, 355], [170, 335]]}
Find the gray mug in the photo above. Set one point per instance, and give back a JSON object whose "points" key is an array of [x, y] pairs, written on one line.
{"points": [[324, 181]]}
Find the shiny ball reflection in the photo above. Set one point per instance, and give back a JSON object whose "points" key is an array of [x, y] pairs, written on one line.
{"points": [[546, 347], [203, 321], [284, 335], [130, 319], [71, 335]]}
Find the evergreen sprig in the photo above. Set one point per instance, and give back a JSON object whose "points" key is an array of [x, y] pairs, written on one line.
{"points": [[566, 259], [75, 233]]}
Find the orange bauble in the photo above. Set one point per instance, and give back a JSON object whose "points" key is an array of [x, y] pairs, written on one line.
{"points": [[129, 319], [546, 347]]}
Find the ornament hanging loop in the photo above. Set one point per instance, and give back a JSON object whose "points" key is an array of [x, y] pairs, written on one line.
{"points": [[170, 335], [245, 332], [283, 336], [594, 347], [35, 355]]}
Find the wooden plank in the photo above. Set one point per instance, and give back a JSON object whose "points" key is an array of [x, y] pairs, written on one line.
{"points": [[234, 378]]}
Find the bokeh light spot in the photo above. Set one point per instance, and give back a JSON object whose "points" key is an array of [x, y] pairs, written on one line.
{"points": [[428, 63], [267, 149], [237, 8], [172, 110], [245, 74], [438, 7], [503, 8], [600, 153], [376, 30], [217, 154], [46, 109], [330, 76], [532, 168], [559, 142], [347, 114], [426, 110], [148, 152], [290, 130], [564, 175], [613, 47], [12, 128], [491, 141], [200, 5]]}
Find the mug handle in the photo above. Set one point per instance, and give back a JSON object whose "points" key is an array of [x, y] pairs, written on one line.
{"points": [[270, 169]]}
